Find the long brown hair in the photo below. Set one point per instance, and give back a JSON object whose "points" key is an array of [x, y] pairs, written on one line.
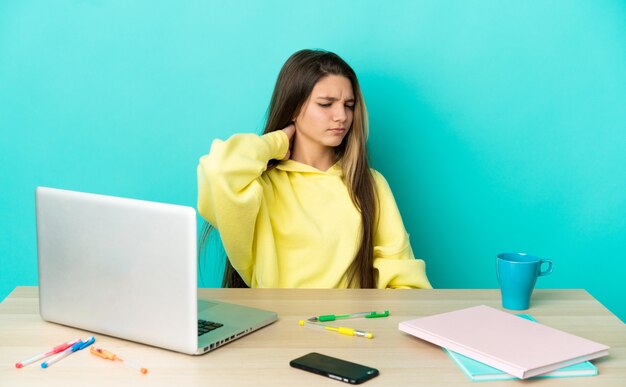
{"points": [[293, 87]]}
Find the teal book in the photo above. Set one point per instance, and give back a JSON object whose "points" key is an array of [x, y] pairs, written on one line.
{"points": [[478, 371]]}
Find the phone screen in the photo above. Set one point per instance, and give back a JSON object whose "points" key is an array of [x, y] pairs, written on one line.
{"points": [[334, 368]]}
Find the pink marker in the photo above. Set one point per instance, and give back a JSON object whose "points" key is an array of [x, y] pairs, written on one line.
{"points": [[57, 349]]}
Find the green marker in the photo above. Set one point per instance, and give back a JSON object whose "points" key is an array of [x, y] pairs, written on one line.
{"points": [[333, 317]]}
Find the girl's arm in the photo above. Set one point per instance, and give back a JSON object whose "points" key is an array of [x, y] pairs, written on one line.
{"points": [[230, 189], [393, 257]]}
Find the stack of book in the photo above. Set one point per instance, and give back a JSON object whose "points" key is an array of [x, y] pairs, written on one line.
{"points": [[489, 344]]}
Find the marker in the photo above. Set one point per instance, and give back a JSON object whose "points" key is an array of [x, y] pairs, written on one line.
{"points": [[57, 349], [333, 317], [103, 353], [342, 330], [76, 347]]}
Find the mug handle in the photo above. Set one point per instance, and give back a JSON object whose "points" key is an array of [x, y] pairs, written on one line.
{"points": [[548, 270]]}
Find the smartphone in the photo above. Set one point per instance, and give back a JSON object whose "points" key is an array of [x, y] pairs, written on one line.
{"points": [[334, 368]]}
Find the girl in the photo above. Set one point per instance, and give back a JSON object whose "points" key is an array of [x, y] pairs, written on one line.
{"points": [[299, 206]]}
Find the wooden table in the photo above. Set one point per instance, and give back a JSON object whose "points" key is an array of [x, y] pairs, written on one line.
{"points": [[262, 358]]}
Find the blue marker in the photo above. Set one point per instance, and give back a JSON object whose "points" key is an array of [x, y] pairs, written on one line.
{"points": [[76, 347]]}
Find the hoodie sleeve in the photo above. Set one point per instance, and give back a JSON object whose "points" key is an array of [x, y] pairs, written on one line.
{"points": [[393, 257], [230, 190]]}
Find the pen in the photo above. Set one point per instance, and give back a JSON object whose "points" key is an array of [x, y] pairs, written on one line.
{"points": [[57, 349], [76, 347], [103, 353], [342, 330], [333, 317]]}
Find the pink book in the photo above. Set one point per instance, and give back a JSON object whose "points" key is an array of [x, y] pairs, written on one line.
{"points": [[517, 346]]}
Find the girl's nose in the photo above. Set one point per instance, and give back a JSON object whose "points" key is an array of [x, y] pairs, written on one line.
{"points": [[340, 114]]}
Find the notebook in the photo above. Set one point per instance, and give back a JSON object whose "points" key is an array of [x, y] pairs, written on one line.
{"points": [[477, 371], [504, 341], [128, 268]]}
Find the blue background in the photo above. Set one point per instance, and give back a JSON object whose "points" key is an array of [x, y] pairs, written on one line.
{"points": [[500, 125]]}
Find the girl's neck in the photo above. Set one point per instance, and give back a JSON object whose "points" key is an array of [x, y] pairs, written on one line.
{"points": [[320, 158]]}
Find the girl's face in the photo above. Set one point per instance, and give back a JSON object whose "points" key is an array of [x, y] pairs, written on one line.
{"points": [[326, 116]]}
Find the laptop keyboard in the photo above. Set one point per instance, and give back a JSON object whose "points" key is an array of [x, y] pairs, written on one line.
{"points": [[207, 326]]}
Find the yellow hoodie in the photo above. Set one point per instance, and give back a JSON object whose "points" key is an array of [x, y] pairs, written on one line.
{"points": [[295, 226]]}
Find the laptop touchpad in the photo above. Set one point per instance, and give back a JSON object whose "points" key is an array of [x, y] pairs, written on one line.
{"points": [[204, 305]]}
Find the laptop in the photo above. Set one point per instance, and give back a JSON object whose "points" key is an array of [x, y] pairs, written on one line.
{"points": [[128, 268]]}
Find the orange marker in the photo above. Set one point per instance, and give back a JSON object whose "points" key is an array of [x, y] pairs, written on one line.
{"points": [[103, 353]]}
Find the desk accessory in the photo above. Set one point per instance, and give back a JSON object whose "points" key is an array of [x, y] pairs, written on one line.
{"points": [[504, 341], [333, 317], [103, 353], [55, 350], [342, 330], [337, 369], [135, 244], [74, 348], [517, 275], [477, 371]]}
